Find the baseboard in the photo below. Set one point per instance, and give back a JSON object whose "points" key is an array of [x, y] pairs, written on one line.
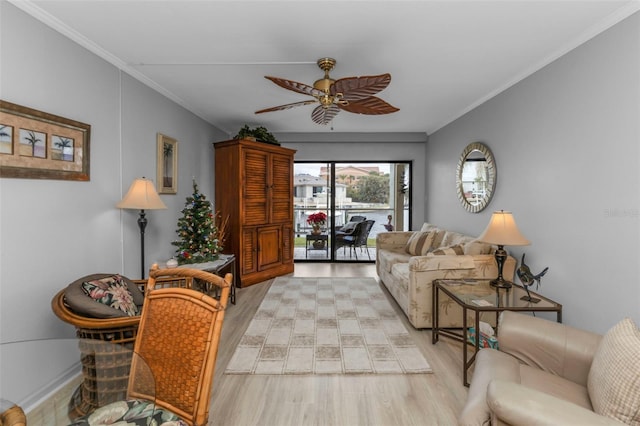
{"points": [[68, 379]]}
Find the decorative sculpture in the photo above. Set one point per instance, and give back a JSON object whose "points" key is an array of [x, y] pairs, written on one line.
{"points": [[389, 226], [527, 279]]}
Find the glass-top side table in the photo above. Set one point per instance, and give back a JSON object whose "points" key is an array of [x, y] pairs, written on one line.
{"points": [[479, 296]]}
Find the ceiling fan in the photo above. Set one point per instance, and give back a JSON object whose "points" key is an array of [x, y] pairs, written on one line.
{"points": [[352, 94]]}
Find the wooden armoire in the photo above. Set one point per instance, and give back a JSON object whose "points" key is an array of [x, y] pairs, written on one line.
{"points": [[254, 189]]}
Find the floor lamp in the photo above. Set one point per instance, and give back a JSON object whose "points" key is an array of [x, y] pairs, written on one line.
{"points": [[142, 196]]}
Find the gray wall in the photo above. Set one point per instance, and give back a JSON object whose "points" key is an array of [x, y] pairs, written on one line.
{"points": [[566, 143], [54, 231]]}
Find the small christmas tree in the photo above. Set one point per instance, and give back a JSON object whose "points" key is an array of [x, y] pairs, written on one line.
{"points": [[200, 236]]}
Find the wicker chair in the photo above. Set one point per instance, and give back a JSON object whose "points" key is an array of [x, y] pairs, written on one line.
{"points": [[178, 341], [12, 416], [97, 390]]}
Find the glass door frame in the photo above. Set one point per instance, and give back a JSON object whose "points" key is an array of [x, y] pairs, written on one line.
{"points": [[331, 205]]}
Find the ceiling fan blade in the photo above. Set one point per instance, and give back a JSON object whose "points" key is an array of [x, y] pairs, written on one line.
{"points": [[355, 88], [287, 106], [295, 86], [322, 115], [369, 106]]}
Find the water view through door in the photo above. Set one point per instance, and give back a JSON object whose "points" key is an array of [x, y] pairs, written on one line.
{"points": [[340, 207]]}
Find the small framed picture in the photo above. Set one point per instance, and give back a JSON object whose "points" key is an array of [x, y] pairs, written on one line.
{"points": [[167, 177]]}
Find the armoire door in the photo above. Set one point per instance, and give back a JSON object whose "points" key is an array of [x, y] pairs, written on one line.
{"points": [[255, 187], [269, 247]]}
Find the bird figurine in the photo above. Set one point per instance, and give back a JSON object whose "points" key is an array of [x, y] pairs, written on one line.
{"points": [[527, 279]]}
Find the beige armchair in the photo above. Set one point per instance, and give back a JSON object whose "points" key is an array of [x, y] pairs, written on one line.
{"points": [[549, 373]]}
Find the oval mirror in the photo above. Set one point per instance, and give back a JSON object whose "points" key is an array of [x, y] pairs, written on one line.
{"points": [[476, 177]]}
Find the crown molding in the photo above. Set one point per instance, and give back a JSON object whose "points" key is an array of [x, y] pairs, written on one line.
{"points": [[51, 21], [620, 14]]}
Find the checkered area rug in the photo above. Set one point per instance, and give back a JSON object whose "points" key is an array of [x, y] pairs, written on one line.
{"points": [[326, 326]]}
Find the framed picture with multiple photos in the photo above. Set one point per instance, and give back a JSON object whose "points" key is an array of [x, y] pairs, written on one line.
{"points": [[39, 145]]}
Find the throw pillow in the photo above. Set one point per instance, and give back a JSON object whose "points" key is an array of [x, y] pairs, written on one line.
{"points": [[426, 227], [456, 250], [111, 291], [419, 243], [438, 238], [476, 247], [614, 382], [348, 227]]}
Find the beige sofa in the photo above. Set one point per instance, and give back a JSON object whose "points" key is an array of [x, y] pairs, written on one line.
{"points": [[409, 278], [549, 373]]}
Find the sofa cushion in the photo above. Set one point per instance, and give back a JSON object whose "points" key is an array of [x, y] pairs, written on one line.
{"points": [[401, 271], [442, 251], [113, 292], [419, 243], [437, 263], [614, 377], [388, 258], [557, 386]]}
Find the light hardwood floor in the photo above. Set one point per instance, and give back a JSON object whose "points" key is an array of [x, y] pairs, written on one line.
{"points": [[412, 399], [340, 400]]}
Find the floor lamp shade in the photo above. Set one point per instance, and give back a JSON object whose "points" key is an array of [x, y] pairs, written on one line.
{"points": [[142, 196], [502, 231]]}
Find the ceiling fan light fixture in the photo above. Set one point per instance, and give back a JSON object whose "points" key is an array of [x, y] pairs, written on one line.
{"points": [[325, 100]]}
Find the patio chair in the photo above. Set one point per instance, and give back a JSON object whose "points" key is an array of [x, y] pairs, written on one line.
{"points": [[357, 239], [350, 226], [357, 218]]}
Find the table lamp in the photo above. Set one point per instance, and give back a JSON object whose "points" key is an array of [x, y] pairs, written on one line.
{"points": [[502, 231], [142, 195]]}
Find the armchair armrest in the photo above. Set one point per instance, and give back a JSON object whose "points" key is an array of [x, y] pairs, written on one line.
{"points": [[515, 404], [556, 348]]}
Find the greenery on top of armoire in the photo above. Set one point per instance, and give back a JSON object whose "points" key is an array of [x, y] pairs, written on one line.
{"points": [[259, 133]]}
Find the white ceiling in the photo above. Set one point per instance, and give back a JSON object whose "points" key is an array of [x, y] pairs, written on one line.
{"points": [[445, 57]]}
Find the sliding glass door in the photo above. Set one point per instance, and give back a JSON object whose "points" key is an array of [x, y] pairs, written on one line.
{"points": [[340, 207]]}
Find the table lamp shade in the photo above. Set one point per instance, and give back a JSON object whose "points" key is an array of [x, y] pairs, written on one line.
{"points": [[142, 195], [502, 230]]}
